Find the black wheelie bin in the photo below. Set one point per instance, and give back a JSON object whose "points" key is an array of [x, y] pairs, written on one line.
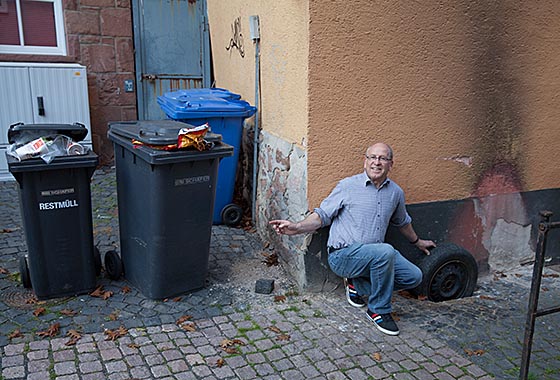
{"points": [[55, 200], [165, 201]]}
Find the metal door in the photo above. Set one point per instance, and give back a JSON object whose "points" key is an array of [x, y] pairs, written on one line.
{"points": [[171, 50]]}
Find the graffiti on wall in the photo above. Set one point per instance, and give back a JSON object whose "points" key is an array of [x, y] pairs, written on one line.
{"points": [[236, 40]]}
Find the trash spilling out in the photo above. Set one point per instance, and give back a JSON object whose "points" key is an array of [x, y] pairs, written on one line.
{"points": [[45, 142], [186, 138]]}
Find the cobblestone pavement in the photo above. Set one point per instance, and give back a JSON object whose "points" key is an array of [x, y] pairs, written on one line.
{"points": [[227, 331]]}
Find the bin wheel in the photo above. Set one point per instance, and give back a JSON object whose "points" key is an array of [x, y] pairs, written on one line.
{"points": [[24, 272], [231, 215], [449, 272], [97, 260], [113, 265]]}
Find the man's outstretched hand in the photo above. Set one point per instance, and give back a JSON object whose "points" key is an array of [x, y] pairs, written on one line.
{"points": [[284, 227]]}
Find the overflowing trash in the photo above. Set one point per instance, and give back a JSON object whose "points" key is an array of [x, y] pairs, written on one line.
{"points": [[47, 148], [45, 141], [186, 137]]}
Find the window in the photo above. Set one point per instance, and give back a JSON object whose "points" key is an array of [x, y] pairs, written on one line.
{"points": [[32, 27]]}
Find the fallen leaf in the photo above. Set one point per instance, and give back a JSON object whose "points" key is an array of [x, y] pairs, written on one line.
{"points": [[279, 298], [75, 336], [4, 271], [15, 334], [231, 350], [226, 343], [115, 334], [270, 259], [406, 294], [274, 329], [518, 275], [266, 244], [177, 299], [395, 316], [239, 341], [133, 345], [220, 362], [114, 316], [376, 356], [50, 332], [552, 275], [422, 297], [68, 312], [39, 311], [188, 327], [544, 289], [126, 289], [283, 337], [7, 230], [483, 297], [183, 319], [100, 293], [478, 352]]}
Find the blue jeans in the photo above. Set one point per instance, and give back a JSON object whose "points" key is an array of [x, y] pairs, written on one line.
{"points": [[376, 270]]}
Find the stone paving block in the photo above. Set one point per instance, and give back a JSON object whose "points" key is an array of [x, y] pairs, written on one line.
{"points": [[37, 365], [65, 368], [38, 375], [12, 361], [13, 372], [89, 367], [116, 366]]}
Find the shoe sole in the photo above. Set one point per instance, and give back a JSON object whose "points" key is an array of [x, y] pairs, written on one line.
{"points": [[384, 331], [352, 303]]}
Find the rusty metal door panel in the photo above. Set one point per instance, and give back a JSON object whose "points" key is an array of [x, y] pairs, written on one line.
{"points": [[171, 50]]}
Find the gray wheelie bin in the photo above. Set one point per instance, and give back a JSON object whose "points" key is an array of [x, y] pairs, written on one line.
{"points": [[55, 200], [165, 201]]}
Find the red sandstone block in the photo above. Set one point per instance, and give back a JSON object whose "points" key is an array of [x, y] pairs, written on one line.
{"points": [[99, 58], [82, 22], [125, 55], [98, 3], [116, 22]]}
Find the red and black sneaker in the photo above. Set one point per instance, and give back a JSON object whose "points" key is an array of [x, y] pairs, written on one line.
{"points": [[383, 322], [352, 295]]}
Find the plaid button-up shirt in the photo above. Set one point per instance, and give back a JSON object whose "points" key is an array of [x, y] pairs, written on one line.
{"points": [[358, 212]]}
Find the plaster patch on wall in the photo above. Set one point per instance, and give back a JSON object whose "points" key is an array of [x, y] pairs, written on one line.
{"points": [[509, 245], [465, 160], [282, 194]]}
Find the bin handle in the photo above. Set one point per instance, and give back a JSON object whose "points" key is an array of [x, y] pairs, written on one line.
{"points": [[148, 133]]}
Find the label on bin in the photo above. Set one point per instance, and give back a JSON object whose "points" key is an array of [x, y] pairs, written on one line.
{"points": [[192, 180], [47, 193], [57, 205]]}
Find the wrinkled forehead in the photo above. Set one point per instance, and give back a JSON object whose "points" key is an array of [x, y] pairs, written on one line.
{"points": [[379, 150]]}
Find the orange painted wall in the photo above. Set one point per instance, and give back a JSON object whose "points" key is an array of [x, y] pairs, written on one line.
{"points": [[466, 93]]}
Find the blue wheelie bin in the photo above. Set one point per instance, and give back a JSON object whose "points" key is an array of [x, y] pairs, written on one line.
{"points": [[224, 112]]}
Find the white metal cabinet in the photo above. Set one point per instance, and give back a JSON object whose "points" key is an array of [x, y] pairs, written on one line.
{"points": [[41, 93]]}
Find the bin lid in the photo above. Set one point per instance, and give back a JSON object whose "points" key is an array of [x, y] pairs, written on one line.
{"points": [[190, 107], [23, 133], [155, 132], [217, 92]]}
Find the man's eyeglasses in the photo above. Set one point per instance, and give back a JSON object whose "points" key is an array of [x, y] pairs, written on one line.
{"points": [[382, 159]]}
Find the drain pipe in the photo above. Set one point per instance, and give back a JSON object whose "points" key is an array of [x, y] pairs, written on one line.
{"points": [[255, 36]]}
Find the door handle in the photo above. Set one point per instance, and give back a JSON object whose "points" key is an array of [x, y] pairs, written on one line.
{"points": [[149, 76], [41, 105]]}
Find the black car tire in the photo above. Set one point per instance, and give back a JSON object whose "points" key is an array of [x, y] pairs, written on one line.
{"points": [[449, 272]]}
